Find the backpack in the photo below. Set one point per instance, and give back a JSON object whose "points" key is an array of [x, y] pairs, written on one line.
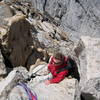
{"points": [[72, 68]]}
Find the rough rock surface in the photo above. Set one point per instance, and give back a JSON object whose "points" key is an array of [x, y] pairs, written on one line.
{"points": [[79, 17], [9, 82], [88, 54], [11, 91], [51, 36], [45, 33], [91, 91], [76, 18], [18, 93], [89, 58], [65, 89], [5, 12], [3, 70], [23, 71], [14, 1], [19, 40]]}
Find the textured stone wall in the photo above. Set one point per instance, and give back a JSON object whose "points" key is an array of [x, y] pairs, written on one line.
{"points": [[79, 17]]}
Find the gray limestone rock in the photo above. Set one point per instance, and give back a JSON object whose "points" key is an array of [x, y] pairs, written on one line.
{"points": [[3, 70], [78, 17], [89, 58], [14, 1], [23, 71], [63, 90], [91, 91], [9, 82], [52, 37], [88, 53], [5, 12], [18, 93]]}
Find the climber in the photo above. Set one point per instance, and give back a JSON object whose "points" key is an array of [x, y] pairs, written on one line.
{"points": [[59, 67]]}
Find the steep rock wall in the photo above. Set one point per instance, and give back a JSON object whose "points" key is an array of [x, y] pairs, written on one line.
{"points": [[74, 16]]}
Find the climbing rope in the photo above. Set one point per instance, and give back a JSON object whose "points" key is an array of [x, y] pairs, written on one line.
{"points": [[28, 91]]}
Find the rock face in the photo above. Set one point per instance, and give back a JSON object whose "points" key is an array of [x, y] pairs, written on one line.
{"points": [[51, 36], [47, 36], [18, 93], [75, 16], [14, 1], [9, 82], [5, 12], [18, 42], [23, 71], [92, 89], [3, 70], [89, 67], [89, 58]]}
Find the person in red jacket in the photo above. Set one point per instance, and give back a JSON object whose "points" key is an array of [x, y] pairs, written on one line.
{"points": [[57, 66]]}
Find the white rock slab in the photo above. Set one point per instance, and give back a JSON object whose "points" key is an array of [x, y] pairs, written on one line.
{"points": [[92, 54]]}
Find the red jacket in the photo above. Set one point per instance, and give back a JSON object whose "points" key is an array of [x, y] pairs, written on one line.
{"points": [[57, 77]]}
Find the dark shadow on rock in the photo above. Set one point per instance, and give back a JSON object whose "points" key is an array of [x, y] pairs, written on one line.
{"points": [[7, 62], [34, 55], [87, 96], [73, 71], [5, 54], [82, 98]]}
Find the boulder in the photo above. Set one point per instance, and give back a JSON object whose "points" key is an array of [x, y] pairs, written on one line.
{"points": [[18, 43], [18, 40], [9, 82], [18, 93], [38, 63], [23, 71], [63, 90]]}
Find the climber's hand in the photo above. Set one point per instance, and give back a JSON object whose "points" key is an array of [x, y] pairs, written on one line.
{"points": [[47, 82]]}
